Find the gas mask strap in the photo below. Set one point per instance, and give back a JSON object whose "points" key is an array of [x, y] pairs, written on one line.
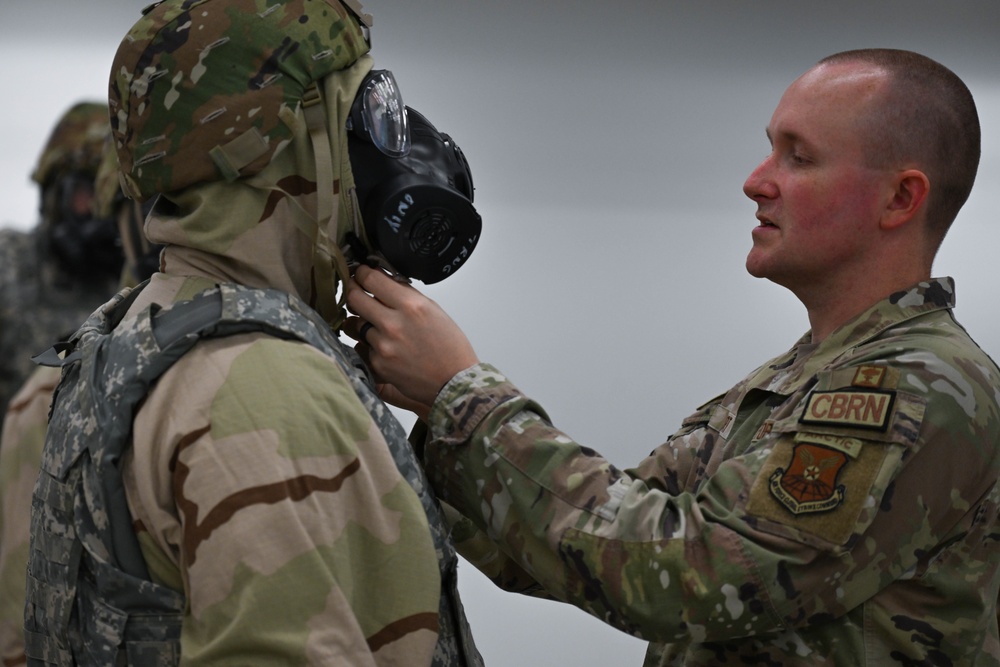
{"points": [[327, 257]]}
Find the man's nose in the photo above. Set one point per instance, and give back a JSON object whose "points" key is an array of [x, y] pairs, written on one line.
{"points": [[759, 183]]}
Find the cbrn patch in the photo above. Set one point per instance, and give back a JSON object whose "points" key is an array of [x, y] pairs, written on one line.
{"points": [[848, 407]]}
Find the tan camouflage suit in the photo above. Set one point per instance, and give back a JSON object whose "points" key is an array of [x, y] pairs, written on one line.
{"points": [[836, 507], [259, 485], [41, 299]]}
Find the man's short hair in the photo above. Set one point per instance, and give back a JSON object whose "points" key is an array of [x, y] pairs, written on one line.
{"points": [[927, 119]]}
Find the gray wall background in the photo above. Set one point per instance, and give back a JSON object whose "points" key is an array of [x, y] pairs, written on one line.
{"points": [[609, 143]]}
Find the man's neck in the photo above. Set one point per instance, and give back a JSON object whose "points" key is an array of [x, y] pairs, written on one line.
{"points": [[838, 305]]}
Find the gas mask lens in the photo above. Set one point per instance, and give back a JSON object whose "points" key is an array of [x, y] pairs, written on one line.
{"points": [[379, 111]]}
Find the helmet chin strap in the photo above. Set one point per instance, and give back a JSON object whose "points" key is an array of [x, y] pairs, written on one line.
{"points": [[329, 262], [328, 258]]}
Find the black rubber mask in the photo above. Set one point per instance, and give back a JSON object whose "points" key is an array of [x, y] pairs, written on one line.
{"points": [[416, 200], [86, 246]]}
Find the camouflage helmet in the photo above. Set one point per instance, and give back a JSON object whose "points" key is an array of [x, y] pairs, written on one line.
{"points": [[76, 143], [205, 90], [107, 189]]}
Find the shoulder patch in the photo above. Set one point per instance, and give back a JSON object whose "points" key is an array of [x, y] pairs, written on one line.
{"points": [[848, 407], [817, 483], [808, 483]]}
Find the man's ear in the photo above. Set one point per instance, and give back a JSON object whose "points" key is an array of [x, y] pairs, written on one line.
{"points": [[908, 198]]}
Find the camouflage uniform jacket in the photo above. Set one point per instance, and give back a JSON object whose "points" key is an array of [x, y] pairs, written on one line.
{"points": [[839, 506], [38, 305], [267, 509]]}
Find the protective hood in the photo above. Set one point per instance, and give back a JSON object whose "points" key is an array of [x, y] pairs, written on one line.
{"points": [[271, 230]]}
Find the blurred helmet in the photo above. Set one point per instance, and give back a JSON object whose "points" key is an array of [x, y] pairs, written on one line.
{"points": [[84, 245], [75, 144], [142, 258], [206, 90]]}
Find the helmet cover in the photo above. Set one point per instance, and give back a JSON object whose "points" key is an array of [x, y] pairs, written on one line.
{"points": [[107, 190], [75, 144], [142, 258], [207, 90]]}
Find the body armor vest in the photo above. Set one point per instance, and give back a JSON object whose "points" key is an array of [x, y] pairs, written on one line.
{"points": [[90, 600]]}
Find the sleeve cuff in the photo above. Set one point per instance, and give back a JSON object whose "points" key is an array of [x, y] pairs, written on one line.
{"points": [[466, 400]]}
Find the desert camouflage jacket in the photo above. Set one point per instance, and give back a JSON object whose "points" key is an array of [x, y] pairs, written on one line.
{"points": [[839, 506], [281, 518]]}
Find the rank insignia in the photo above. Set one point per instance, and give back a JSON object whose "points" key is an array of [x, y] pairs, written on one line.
{"points": [[869, 376], [764, 429], [809, 483]]}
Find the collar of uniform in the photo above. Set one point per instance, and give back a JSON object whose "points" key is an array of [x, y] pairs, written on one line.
{"points": [[924, 297], [785, 374]]}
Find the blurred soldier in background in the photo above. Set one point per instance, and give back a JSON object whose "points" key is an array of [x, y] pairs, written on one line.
{"points": [[238, 492], [52, 277], [26, 419]]}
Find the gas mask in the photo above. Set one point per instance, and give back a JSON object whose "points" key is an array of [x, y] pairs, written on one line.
{"points": [[86, 246], [414, 186]]}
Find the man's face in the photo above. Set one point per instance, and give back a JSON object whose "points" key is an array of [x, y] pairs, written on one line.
{"points": [[818, 205]]}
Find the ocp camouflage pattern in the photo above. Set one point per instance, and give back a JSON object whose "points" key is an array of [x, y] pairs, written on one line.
{"points": [[839, 506], [203, 90]]}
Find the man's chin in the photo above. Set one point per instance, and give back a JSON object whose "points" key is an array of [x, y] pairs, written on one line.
{"points": [[755, 266], [758, 268]]}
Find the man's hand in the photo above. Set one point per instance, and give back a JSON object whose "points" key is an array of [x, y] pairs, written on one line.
{"points": [[411, 345]]}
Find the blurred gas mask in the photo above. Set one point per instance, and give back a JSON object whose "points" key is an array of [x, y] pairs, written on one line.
{"points": [[414, 186], [85, 245]]}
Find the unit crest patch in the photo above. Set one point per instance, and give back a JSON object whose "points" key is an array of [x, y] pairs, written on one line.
{"points": [[809, 482]]}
